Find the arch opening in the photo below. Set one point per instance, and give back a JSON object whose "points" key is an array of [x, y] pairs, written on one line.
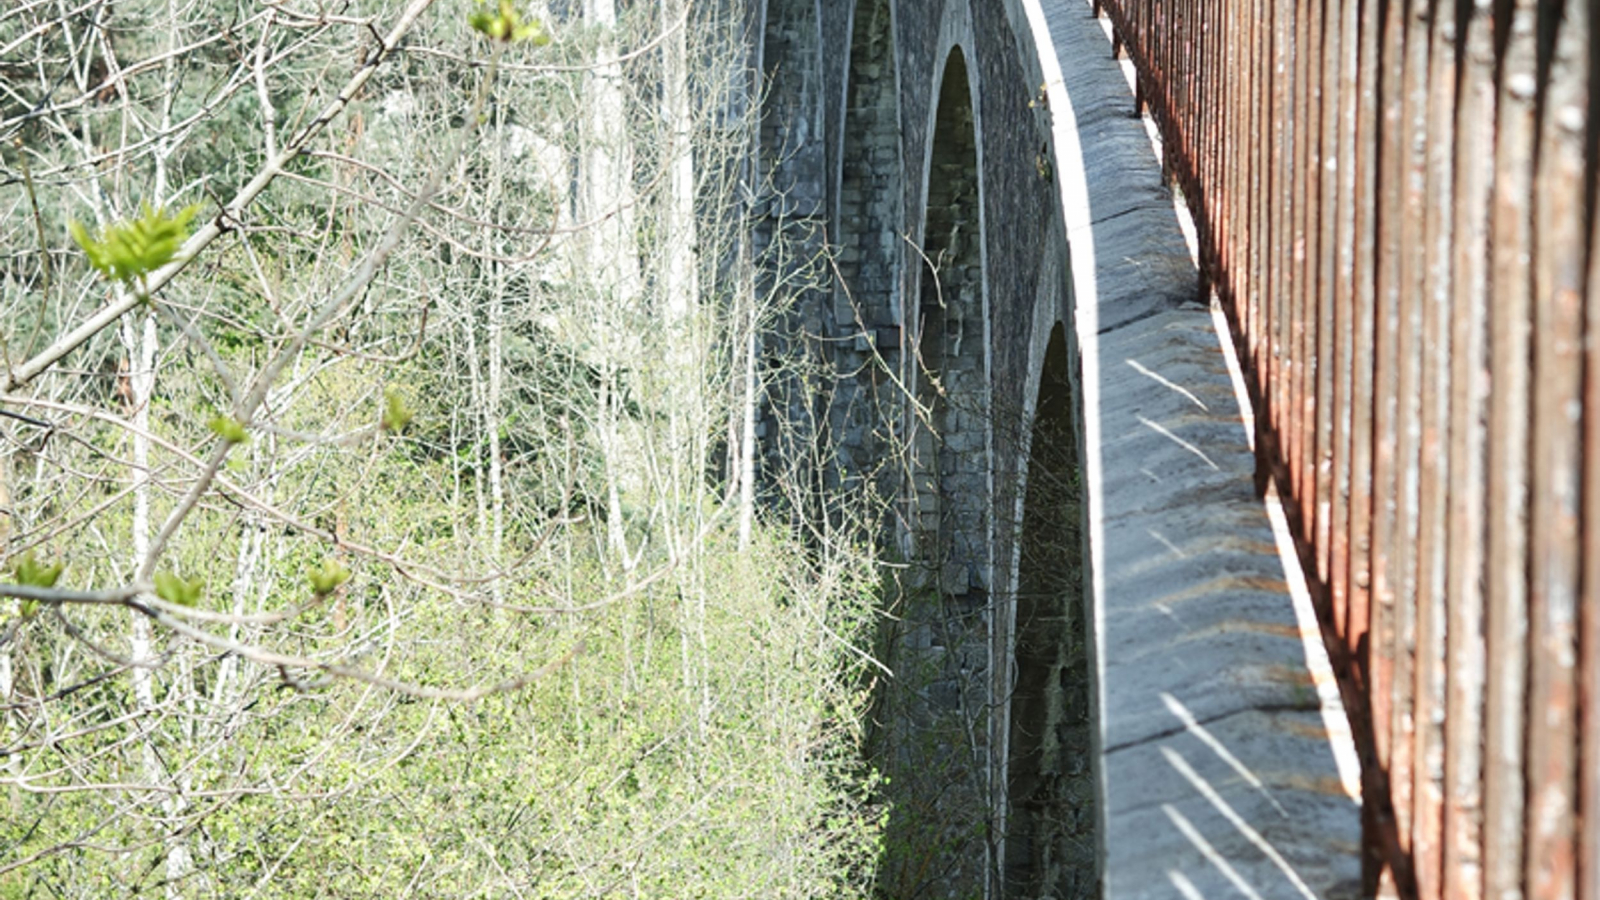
{"points": [[935, 737], [951, 446], [1050, 845]]}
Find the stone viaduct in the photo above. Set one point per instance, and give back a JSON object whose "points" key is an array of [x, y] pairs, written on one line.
{"points": [[1105, 683]]}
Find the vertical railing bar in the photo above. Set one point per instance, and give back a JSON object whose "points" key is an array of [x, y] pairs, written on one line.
{"points": [[1558, 238], [1250, 286], [1200, 63], [1360, 578], [1589, 712], [1325, 165], [1217, 131], [1309, 266], [1196, 66], [1508, 449], [1227, 235], [1410, 272], [1230, 287], [1269, 416], [1280, 384], [1247, 284], [1158, 31], [1465, 648], [1163, 33], [1387, 360], [1292, 359], [1216, 149], [1193, 76], [1237, 84], [1344, 296], [1428, 793], [1169, 35], [1261, 171], [1197, 63]]}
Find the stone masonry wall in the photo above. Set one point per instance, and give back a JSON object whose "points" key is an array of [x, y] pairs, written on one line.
{"points": [[788, 233], [866, 316]]}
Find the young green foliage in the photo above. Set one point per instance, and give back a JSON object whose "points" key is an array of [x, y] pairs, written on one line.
{"points": [[505, 24], [29, 571], [128, 251], [326, 578], [177, 589], [396, 414], [229, 429]]}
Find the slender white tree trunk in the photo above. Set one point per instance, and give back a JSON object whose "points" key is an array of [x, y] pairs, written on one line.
{"points": [[139, 339], [8, 734], [606, 203], [681, 283], [493, 406], [605, 191], [246, 573], [685, 402], [492, 421], [479, 402], [610, 412], [178, 862], [747, 437]]}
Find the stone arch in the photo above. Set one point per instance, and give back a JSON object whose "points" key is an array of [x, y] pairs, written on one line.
{"points": [[936, 736], [1050, 791], [950, 444]]}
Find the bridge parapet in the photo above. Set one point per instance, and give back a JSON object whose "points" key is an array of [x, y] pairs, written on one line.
{"points": [[1221, 730]]}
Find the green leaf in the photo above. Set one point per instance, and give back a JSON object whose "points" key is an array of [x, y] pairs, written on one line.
{"points": [[505, 24], [176, 589], [28, 570], [229, 429], [326, 578], [127, 251], [396, 414]]}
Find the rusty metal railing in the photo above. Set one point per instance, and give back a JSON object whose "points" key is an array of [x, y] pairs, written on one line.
{"points": [[1396, 206]]}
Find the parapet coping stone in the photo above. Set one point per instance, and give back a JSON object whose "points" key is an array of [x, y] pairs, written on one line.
{"points": [[1225, 765]]}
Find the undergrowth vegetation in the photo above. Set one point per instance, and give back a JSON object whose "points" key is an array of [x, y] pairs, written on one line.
{"points": [[379, 380]]}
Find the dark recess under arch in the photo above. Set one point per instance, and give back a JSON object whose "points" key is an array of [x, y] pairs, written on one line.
{"points": [[951, 446], [1050, 839]]}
